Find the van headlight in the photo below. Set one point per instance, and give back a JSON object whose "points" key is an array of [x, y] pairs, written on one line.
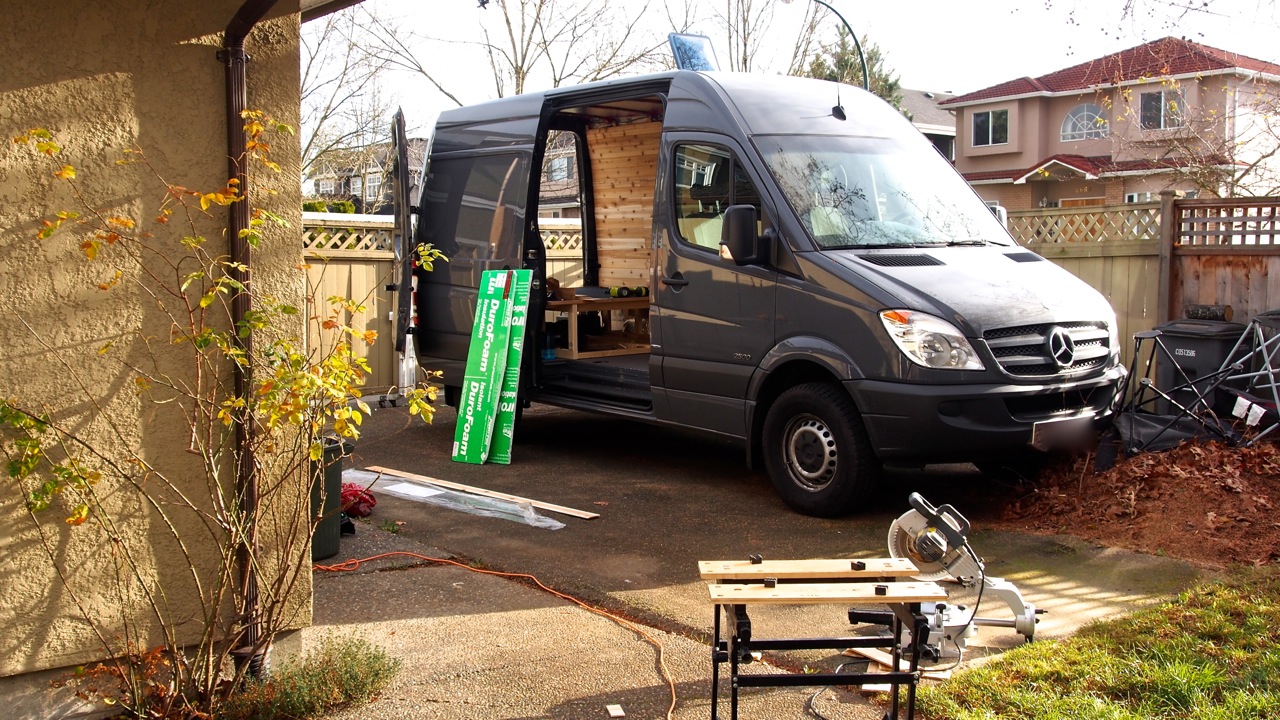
{"points": [[930, 341]]}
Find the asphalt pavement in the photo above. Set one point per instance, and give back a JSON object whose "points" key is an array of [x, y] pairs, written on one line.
{"points": [[488, 646]]}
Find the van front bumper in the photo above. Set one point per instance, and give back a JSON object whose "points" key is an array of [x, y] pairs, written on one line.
{"points": [[956, 423]]}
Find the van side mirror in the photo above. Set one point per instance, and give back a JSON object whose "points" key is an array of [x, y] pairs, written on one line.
{"points": [[739, 237]]}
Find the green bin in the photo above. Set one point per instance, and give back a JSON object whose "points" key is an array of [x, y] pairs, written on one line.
{"points": [[326, 498]]}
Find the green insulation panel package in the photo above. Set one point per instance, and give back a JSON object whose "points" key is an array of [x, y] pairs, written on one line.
{"points": [[491, 336]]}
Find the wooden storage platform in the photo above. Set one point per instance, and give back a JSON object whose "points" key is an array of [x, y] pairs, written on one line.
{"points": [[577, 305]]}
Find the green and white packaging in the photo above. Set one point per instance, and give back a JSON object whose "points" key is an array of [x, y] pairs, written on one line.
{"points": [[505, 426], [486, 363]]}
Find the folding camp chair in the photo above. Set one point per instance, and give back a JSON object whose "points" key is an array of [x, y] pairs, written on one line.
{"points": [[1256, 360], [1155, 418]]}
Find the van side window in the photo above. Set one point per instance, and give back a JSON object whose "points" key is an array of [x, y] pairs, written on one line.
{"points": [[475, 206], [708, 180]]}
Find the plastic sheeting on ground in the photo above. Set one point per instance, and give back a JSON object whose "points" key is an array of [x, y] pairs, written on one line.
{"points": [[452, 499]]}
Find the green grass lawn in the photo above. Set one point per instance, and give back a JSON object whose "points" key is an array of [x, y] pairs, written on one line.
{"points": [[1213, 653]]}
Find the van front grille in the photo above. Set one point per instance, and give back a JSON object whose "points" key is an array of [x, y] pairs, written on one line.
{"points": [[1050, 349]]}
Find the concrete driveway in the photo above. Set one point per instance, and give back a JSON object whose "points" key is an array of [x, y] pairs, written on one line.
{"points": [[666, 500]]}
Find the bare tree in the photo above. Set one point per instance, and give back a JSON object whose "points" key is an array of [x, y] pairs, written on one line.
{"points": [[803, 51], [342, 104], [1226, 142], [745, 23], [535, 42]]}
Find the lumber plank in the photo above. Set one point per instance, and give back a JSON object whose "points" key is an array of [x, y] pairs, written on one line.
{"points": [[487, 493], [806, 569], [822, 593], [883, 658]]}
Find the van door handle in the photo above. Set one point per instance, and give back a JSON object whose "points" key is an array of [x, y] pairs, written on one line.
{"points": [[675, 281]]}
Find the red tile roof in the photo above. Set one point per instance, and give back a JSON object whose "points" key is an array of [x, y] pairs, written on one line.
{"points": [[1096, 165], [1158, 58]]}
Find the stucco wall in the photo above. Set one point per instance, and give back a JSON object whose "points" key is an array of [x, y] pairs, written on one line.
{"points": [[107, 76]]}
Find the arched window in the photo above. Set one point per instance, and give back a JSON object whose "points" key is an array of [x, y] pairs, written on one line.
{"points": [[1084, 122]]}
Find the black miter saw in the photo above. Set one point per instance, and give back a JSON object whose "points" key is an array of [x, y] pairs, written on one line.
{"points": [[935, 539]]}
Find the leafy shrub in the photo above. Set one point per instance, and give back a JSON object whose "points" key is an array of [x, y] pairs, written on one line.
{"points": [[338, 673], [342, 206], [315, 206]]}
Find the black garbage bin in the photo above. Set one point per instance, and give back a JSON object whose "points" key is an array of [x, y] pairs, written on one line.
{"points": [[1198, 347], [326, 498]]}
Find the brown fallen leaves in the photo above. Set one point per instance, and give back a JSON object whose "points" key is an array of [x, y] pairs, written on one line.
{"points": [[1209, 503]]}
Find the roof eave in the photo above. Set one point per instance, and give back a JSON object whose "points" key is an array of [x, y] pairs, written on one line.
{"points": [[1044, 167]]}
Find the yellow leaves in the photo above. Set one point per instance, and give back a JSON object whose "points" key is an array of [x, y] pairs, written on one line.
{"points": [[121, 222], [91, 247], [369, 336], [66, 173], [223, 197], [105, 348], [49, 227], [43, 140], [115, 280], [229, 410], [78, 515], [142, 383]]}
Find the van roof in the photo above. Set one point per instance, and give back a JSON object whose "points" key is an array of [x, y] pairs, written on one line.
{"points": [[762, 104]]}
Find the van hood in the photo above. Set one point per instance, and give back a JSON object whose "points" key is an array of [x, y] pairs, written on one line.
{"points": [[978, 288]]}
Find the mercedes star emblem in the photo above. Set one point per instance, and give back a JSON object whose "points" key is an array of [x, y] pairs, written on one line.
{"points": [[1061, 347]]}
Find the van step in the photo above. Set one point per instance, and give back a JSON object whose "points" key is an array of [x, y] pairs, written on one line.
{"points": [[616, 384], [633, 396]]}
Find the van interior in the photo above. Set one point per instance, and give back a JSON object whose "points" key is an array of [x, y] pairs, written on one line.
{"points": [[595, 217]]}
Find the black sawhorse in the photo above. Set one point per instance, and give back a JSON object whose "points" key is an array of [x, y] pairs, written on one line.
{"points": [[736, 585]]}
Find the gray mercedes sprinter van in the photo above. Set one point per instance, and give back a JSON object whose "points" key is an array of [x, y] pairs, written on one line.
{"points": [[803, 272]]}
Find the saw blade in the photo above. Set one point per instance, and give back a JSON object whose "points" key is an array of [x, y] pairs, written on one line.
{"points": [[902, 545]]}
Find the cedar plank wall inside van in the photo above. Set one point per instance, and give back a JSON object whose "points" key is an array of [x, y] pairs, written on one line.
{"points": [[624, 166]]}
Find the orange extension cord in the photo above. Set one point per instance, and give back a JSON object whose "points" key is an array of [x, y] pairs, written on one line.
{"points": [[350, 565]]}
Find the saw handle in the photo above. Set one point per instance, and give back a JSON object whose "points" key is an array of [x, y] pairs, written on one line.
{"points": [[945, 518]]}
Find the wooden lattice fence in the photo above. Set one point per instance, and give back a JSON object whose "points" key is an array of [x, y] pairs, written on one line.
{"points": [[1072, 225], [322, 232], [1224, 253], [350, 256], [562, 238]]}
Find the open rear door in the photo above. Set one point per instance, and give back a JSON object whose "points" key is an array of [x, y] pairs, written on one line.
{"points": [[405, 254]]}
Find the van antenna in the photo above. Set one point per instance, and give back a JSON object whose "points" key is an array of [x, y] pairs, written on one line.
{"points": [[837, 112]]}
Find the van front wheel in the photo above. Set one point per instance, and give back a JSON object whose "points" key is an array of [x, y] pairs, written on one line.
{"points": [[817, 452]]}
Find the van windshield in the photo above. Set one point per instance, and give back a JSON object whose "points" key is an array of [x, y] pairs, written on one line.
{"points": [[877, 192]]}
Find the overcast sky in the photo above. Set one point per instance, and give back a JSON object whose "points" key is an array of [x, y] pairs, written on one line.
{"points": [[939, 45]]}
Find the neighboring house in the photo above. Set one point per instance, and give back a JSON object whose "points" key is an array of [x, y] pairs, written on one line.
{"points": [[120, 75], [362, 175], [1167, 115], [935, 122], [558, 192]]}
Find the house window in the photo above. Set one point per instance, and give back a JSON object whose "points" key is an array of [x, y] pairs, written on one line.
{"points": [[991, 128], [560, 168], [373, 187], [693, 171], [357, 186], [1160, 110], [324, 187], [1084, 122]]}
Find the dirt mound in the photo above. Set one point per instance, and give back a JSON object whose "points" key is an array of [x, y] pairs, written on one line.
{"points": [[1208, 502]]}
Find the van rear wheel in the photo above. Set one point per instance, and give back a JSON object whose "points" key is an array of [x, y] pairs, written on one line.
{"points": [[817, 451]]}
